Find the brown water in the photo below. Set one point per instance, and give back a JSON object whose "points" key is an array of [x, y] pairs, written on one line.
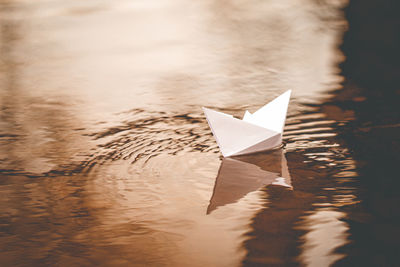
{"points": [[107, 159]]}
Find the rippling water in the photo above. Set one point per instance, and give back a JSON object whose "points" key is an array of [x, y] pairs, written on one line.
{"points": [[107, 159]]}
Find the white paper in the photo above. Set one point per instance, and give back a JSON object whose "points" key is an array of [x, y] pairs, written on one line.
{"points": [[259, 131]]}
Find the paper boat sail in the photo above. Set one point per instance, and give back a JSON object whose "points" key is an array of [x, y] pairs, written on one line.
{"points": [[256, 132], [239, 176]]}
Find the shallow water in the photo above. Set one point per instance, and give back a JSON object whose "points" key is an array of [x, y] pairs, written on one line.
{"points": [[107, 159]]}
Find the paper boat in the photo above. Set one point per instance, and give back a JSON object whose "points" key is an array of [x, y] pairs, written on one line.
{"points": [[241, 175], [256, 132]]}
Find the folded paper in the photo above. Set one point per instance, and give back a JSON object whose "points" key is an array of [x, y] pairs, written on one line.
{"points": [[256, 132]]}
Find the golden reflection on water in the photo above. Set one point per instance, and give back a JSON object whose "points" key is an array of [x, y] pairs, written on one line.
{"points": [[106, 156], [173, 221], [325, 232]]}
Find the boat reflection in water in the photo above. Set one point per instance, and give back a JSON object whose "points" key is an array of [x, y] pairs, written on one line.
{"points": [[238, 176]]}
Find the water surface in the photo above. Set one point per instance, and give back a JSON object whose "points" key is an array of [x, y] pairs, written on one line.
{"points": [[107, 159]]}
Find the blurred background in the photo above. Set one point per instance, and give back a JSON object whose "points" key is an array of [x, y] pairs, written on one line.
{"points": [[107, 160]]}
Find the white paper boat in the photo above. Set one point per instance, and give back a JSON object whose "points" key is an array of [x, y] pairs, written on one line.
{"points": [[239, 176], [259, 131]]}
